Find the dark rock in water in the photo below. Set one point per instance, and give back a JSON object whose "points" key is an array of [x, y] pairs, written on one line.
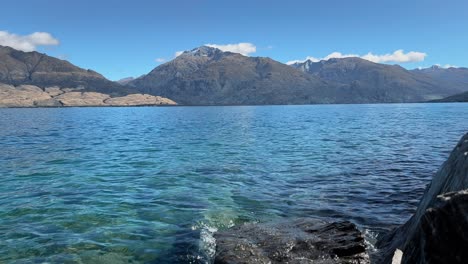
{"points": [[295, 241], [438, 231], [442, 236]]}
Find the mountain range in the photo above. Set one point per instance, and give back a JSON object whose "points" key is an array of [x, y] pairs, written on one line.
{"points": [[29, 79], [462, 97], [369, 82], [209, 76]]}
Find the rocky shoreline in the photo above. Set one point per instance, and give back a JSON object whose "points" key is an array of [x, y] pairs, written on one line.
{"points": [[33, 96], [436, 233]]}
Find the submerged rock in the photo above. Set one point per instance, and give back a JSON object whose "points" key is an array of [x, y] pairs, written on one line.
{"points": [[294, 241], [438, 231]]}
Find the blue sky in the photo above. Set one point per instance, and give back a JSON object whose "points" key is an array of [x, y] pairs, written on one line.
{"points": [[125, 38]]}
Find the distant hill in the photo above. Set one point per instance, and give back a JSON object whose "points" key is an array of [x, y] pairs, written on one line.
{"points": [[34, 68], [32, 79], [455, 77], [463, 97], [125, 81], [374, 82]]}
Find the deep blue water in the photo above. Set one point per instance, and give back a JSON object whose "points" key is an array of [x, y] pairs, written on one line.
{"points": [[150, 185]]}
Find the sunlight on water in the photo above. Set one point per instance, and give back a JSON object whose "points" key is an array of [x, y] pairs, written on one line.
{"points": [[152, 185]]}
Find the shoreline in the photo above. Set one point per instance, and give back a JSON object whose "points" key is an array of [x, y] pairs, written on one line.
{"points": [[247, 105]]}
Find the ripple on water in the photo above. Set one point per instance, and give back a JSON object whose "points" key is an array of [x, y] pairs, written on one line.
{"points": [[152, 185]]}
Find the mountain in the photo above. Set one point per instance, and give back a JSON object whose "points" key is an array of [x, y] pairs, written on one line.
{"points": [[209, 76], [374, 82], [462, 97], [34, 68], [457, 77], [125, 81], [30, 79]]}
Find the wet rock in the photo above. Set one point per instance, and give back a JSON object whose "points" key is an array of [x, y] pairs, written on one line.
{"points": [[438, 230], [294, 241], [442, 235]]}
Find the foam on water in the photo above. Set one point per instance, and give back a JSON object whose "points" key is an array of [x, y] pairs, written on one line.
{"points": [[207, 229], [370, 238]]}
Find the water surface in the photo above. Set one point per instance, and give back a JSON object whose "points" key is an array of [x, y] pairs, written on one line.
{"points": [[150, 185]]}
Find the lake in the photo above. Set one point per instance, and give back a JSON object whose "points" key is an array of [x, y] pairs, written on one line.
{"points": [[152, 184]]}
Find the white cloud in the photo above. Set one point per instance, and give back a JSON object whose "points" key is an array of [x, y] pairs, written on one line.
{"points": [[446, 66], [27, 42], [399, 56], [178, 53], [160, 60], [242, 48], [312, 59]]}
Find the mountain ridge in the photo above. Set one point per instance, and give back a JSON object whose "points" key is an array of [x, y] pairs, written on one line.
{"points": [[34, 68], [209, 76], [33, 79], [399, 84]]}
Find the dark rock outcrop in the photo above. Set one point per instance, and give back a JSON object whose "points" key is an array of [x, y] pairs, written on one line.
{"points": [[438, 231], [294, 241], [442, 235]]}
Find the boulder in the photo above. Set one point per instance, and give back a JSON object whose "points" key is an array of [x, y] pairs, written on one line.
{"points": [[442, 235], [438, 231], [291, 241]]}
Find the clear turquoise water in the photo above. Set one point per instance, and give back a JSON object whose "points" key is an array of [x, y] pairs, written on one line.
{"points": [[150, 185]]}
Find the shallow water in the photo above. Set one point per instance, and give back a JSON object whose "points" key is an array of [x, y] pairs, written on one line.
{"points": [[150, 185]]}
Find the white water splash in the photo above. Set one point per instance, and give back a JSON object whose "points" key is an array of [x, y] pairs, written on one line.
{"points": [[370, 238], [207, 244]]}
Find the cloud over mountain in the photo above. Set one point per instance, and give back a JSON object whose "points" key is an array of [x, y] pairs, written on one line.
{"points": [[398, 56], [27, 42], [243, 48]]}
